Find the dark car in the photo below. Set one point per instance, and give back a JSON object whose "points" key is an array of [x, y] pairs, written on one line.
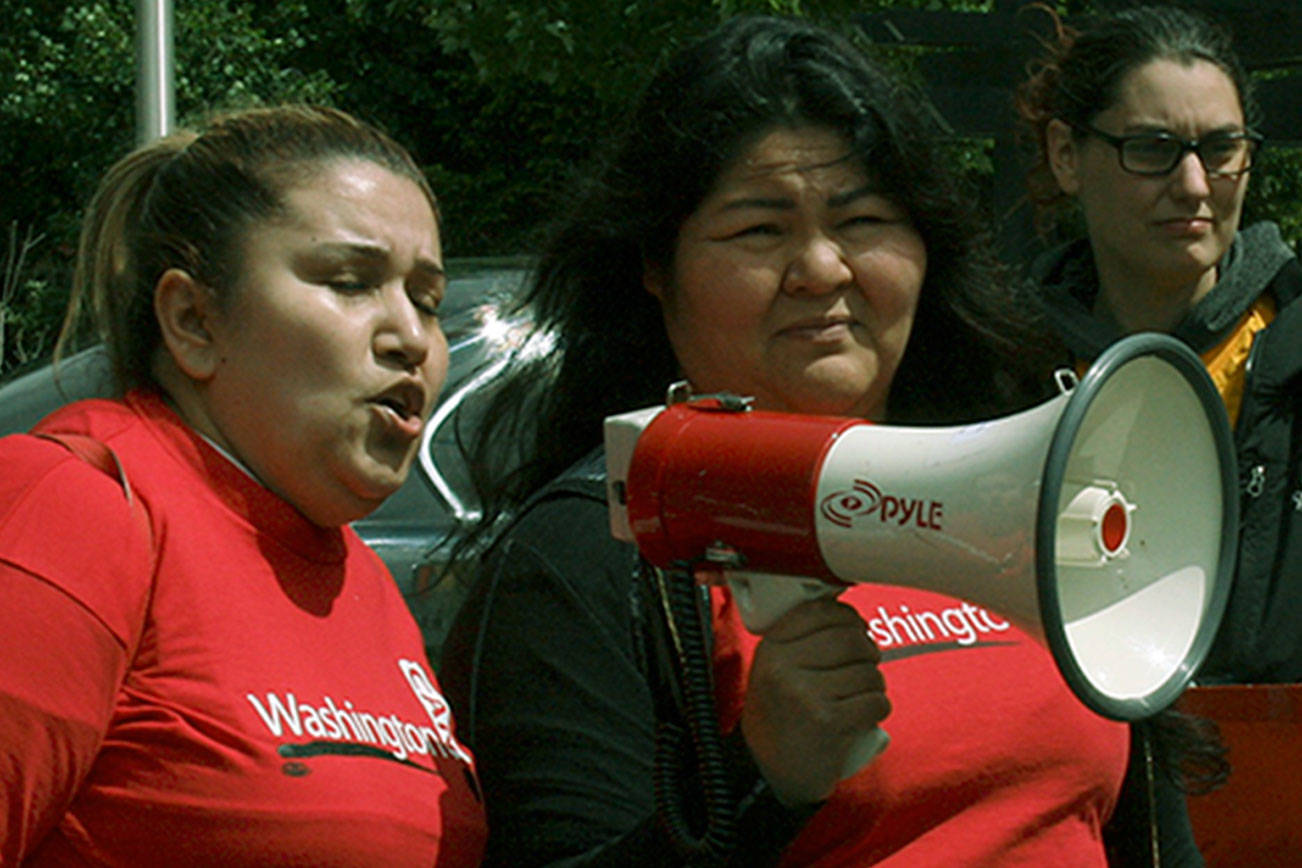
{"points": [[412, 531]]}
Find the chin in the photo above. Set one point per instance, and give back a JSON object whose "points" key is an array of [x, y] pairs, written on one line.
{"points": [[377, 486], [359, 490], [849, 403], [348, 509], [840, 389]]}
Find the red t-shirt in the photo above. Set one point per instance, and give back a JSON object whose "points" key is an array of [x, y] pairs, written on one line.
{"points": [[992, 759], [243, 688]]}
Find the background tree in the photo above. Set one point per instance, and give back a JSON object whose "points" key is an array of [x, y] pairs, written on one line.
{"points": [[501, 100]]}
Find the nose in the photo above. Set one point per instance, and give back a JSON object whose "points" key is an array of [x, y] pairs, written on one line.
{"points": [[1189, 177], [403, 336], [819, 266]]}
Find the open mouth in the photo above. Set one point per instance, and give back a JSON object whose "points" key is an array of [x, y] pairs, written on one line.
{"points": [[400, 408], [404, 404]]}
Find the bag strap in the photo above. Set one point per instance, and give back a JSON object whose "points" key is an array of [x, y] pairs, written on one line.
{"points": [[98, 455]]}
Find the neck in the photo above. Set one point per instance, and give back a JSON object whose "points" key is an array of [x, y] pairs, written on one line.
{"points": [[1137, 303], [183, 394]]}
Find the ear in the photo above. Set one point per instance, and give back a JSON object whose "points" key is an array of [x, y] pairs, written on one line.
{"points": [[187, 316], [1063, 156], [654, 281]]}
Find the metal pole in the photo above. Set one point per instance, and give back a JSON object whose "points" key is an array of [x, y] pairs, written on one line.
{"points": [[154, 87]]}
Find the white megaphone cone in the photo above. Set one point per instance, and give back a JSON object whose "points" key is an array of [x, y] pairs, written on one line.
{"points": [[1103, 521]]}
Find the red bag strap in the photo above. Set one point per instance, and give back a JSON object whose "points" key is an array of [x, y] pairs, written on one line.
{"points": [[101, 457]]}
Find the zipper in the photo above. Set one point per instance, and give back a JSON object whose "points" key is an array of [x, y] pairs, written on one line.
{"points": [[1257, 475], [1256, 481], [1150, 788]]}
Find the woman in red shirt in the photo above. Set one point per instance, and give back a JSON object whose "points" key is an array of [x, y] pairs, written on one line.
{"points": [[201, 662]]}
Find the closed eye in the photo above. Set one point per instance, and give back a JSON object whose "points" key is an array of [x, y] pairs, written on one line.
{"points": [[863, 220], [348, 286], [426, 288], [758, 230], [427, 304]]}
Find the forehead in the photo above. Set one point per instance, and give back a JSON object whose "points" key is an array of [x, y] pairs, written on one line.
{"points": [[356, 196], [802, 154], [1179, 95]]}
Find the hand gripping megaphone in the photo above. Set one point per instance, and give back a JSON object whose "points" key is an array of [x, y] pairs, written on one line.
{"points": [[1102, 521]]}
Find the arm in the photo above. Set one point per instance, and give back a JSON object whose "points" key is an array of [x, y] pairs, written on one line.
{"points": [[545, 677], [75, 575], [59, 672]]}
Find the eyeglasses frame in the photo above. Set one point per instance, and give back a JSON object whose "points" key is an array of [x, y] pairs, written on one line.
{"points": [[1186, 146]]}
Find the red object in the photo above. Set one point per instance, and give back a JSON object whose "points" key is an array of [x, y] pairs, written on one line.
{"points": [[1255, 819], [698, 472], [1114, 528]]}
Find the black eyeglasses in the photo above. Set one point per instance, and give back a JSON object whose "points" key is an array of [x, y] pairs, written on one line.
{"points": [[1223, 155]]}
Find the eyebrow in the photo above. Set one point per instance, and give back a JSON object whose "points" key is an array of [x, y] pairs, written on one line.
{"points": [[1155, 129], [838, 200], [430, 269], [353, 249], [376, 253]]}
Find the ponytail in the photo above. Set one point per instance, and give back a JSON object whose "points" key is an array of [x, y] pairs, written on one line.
{"points": [[108, 288]]}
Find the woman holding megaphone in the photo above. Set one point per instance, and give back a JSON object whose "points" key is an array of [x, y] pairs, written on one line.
{"points": [[775, 221]]}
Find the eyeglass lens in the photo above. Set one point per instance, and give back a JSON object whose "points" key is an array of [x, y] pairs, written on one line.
{"points": [[1222, 155]]}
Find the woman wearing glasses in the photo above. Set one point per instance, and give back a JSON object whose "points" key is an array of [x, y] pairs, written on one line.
{"points": [[1146, 121]]}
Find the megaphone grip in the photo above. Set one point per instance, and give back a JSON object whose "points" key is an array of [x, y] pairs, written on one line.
{"points": [[865, 750]]}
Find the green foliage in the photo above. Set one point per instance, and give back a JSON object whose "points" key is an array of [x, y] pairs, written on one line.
{"points": [[500, 100], [69, 115], [1276, 192]]}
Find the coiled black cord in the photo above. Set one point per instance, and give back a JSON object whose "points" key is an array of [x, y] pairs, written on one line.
{"points": [[696, 744]]}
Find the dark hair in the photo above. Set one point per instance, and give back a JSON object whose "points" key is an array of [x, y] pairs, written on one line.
{"points": [[710, 102], [1081, 71], [186, 201]]}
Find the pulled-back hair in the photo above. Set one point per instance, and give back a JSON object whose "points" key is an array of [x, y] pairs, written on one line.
{"points": [[186, 201], [1080, 73], [712, 100]]}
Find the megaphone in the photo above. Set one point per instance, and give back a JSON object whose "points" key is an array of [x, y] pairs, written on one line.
{"points": [[1102, 521]]}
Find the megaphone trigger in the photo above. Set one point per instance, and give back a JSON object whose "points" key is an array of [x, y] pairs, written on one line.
{"points": [[763, 598]]}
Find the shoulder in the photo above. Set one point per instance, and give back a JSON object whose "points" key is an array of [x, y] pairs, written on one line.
{"points": [[1287, 284], [71, 525], [1278, 359], [1271, 263], [40, 474], [566, 520], [566, 533], [96, 417], [555, 576], [556, 552]]}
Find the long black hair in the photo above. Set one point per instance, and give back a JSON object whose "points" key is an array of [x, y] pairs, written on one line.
{"points": [[710, 101]]}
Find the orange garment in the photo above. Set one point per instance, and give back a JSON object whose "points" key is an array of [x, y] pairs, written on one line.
{"points": [[1227, 362]]}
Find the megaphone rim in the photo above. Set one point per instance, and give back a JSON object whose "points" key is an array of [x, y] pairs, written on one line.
{"points": [[1184, 361]]}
